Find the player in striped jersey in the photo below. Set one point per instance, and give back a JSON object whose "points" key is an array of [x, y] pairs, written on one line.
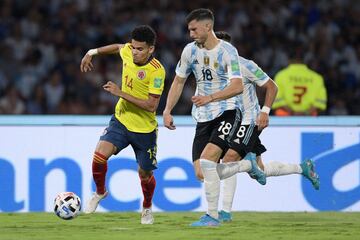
{"points": [[253, 122], [134, 122], [215, 64]]}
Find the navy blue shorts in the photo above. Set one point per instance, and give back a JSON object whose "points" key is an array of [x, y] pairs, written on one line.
{"points": [[144, 144]]}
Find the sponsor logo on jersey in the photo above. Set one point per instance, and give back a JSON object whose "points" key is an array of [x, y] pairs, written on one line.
{"points": [[235, 66], [141, 74], [259, 73], [157, 82]]}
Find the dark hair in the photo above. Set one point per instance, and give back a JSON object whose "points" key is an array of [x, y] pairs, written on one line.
{"points": [[223, 35], [144, 33], [200, 14]]}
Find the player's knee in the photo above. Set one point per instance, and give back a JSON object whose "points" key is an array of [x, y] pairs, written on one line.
{"points": [[211, 152], [231, 156], [105, 148], [144, 175]]}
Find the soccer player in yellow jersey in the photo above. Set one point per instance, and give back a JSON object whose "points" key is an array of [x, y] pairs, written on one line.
{"points": [[301, 90], [134, 122]]}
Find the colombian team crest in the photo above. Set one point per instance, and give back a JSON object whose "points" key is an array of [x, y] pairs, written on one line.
{"points": [[141, 74]]}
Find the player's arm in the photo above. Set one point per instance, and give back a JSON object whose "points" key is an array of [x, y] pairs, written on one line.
{"points": [[270, 95], [183, 70], [174, 94], [234, 88], [86, 64], [149, 104]]}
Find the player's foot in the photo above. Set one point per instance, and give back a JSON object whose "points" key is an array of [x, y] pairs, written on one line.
{"points": [[206, 221], [146, 216], [94, 202], [308, 171], [256, 171], [225, 216]]}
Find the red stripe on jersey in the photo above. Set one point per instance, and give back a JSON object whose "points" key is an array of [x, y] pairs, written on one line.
{"points": [[156, 63]]}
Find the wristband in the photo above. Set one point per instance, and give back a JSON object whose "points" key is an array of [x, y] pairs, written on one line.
{"points": [[265, 109], [93, 52]]}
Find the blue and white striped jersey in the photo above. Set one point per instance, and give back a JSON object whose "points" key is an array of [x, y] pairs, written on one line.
{"points": [[247, 101], [213, 70]]}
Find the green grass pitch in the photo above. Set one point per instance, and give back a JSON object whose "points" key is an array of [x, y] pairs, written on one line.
{"points": [[168, 226]]}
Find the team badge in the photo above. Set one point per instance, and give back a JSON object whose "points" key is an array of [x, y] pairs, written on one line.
{"points": [[141, 74], [157, 82], [216, 64], [206, 60]]}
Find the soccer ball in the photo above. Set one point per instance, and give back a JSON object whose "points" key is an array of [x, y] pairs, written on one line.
{"points": [[67, 205]]}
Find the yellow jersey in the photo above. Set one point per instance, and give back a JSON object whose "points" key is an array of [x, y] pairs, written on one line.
{"points": [[300, 88], [139, 81]]}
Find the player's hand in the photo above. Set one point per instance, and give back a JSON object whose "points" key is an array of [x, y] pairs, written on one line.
{"points": [[201, 100], [86, 64], [262, 120], [112, 88], [168, 121]]}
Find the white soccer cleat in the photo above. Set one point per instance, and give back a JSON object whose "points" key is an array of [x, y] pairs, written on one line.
{"points": [[94, 202], [146, 216]]}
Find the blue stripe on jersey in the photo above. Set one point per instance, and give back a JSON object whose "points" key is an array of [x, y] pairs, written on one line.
{"points": [[253, 99], [253, 68], [234, 58], [192, 58], [240, 104], [223, 77], [208, 91]]}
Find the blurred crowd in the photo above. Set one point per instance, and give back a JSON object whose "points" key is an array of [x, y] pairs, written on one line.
{"points": [[42, 43]]}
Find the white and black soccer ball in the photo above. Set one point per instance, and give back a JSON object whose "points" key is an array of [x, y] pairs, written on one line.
{"points": [[67, 205]]}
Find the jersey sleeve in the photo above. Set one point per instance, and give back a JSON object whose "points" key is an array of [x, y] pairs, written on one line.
{"points": [[156, 81], [232, 62], [321, 97], [125, 52], [183, 68], [280, 98], [254, 73]]}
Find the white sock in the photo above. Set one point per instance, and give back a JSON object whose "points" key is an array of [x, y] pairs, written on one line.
{"points": [[212, 186], [226, 170], [280, 169], [229, 188]]}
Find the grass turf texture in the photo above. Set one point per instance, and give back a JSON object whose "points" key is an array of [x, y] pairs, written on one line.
{"points": [[245, 225]]}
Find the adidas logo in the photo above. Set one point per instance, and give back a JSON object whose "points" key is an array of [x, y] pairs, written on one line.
{"points": [[195, 61]]}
